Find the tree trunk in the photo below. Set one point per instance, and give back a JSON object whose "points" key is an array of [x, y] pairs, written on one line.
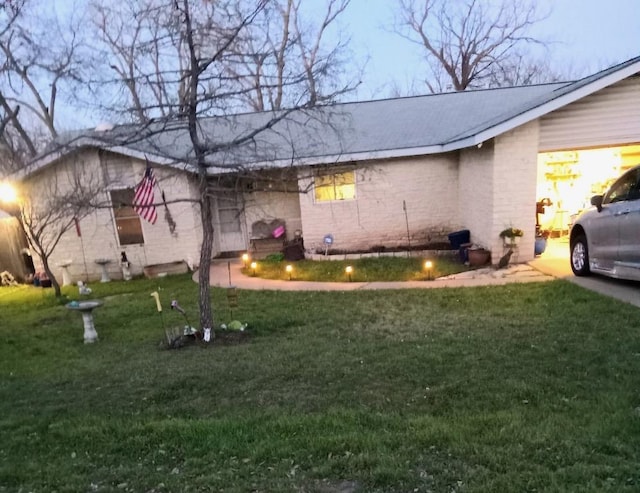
{"points": [[206, 316], [52, 278]]}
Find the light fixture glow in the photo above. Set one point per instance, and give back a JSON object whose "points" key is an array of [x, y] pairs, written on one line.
{"points": [[349, 270], [254, 266], [8, 193], [289, 269], [428, 266], [245, 258]]}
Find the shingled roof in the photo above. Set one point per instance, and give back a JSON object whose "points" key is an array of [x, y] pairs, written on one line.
{"points": [[348, 131]]}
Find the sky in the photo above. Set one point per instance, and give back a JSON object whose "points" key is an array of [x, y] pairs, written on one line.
{"points": [[583, 36], [588, 35]]}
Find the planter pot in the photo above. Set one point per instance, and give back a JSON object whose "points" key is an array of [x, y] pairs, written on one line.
{"points": [[479, 257], [540, 245], [511, 242]]}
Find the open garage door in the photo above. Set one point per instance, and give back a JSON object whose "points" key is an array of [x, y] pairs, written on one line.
{"points": [[568, 179]]}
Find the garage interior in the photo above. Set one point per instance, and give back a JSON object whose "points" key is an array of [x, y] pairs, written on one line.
{"points": [[568, 179]]}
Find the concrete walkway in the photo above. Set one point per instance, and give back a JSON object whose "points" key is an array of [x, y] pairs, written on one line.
{"points": [[553, 264], [225, 273]]}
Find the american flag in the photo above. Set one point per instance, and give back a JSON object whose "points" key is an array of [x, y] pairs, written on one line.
{"points": [[144, 199]]}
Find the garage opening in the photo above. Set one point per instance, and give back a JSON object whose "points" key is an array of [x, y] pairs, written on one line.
{"points": [[568, 179]]}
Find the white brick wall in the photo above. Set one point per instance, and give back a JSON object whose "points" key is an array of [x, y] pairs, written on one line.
{"points": [[498, 189], [481, 189], [428, 185], [267, 206], [99, 238], [514, 187], [476, 192]]}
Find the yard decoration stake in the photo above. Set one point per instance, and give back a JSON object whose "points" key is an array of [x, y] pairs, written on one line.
{"points": [[175, 306], [406, 219], [156, 296]]}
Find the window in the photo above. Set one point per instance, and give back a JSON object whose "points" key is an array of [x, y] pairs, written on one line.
{"points": [[336, 186], [626, 188], [127, 220]]}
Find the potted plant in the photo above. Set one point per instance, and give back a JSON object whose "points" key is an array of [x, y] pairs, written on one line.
{"points": [[541, 241], [478, 256], [511, 235]]}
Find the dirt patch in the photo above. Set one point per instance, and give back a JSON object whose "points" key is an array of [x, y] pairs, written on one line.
{"points": [[222, 338]]}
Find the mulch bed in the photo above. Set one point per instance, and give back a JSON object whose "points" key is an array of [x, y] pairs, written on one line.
{"points": [[222, 338]]}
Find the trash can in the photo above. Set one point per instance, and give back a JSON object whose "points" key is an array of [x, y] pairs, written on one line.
{"points": [[458, 238]]}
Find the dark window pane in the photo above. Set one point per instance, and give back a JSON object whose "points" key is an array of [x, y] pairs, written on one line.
{"points": [[127, 220], [129, 231]]}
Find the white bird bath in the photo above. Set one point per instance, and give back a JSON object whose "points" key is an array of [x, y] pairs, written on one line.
{"points": [[66, 276], [85, 308], [103, 262]]}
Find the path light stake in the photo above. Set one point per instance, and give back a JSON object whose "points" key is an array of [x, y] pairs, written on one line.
{"points": [[349, 271], [428, 265], [289, 269], [254, 266], [245, 260], [232, 299]]}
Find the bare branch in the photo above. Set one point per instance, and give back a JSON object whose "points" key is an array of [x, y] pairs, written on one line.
{"points": [[470, 41]]}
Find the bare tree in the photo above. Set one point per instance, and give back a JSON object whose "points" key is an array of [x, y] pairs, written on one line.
{"points": [[49, 208], [276, 61], [39, 60], [285, 56], [526, 70], [468, 43], [144, 58], [180, 62]]}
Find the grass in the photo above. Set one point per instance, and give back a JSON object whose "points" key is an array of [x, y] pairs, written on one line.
{"points": [[364, 270], [514, 388]]}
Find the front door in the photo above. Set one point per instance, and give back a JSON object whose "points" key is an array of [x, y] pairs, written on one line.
{"points": [[230, 225]]}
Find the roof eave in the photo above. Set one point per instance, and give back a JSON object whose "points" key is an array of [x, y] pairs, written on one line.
{"points": [[336, 158], [88, 143], [544, 108]]}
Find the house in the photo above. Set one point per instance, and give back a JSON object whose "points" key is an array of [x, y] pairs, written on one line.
{"points": [[363, 172]]}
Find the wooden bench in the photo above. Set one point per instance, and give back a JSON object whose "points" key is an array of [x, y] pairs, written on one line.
{"points": [[262, 243], [263, 247]]}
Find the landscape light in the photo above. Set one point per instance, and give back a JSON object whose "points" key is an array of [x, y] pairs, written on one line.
{"points": [[428, 265], [245, 259], [349, 270], [254, 266], [289, 269]]}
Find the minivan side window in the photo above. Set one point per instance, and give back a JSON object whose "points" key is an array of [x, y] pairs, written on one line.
{"points": [[626, 188]]}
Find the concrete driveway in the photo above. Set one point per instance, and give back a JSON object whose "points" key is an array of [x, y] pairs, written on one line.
{"points": [[555, 262]]}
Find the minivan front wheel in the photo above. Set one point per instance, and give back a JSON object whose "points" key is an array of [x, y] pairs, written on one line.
{"points": [[580, 256]]}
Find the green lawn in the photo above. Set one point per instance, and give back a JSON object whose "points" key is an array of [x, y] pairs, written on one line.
{"points": [[516, 388], [364, 270]]}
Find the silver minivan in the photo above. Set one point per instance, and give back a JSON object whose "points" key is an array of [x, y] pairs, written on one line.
{"points": [[605, 238]]}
